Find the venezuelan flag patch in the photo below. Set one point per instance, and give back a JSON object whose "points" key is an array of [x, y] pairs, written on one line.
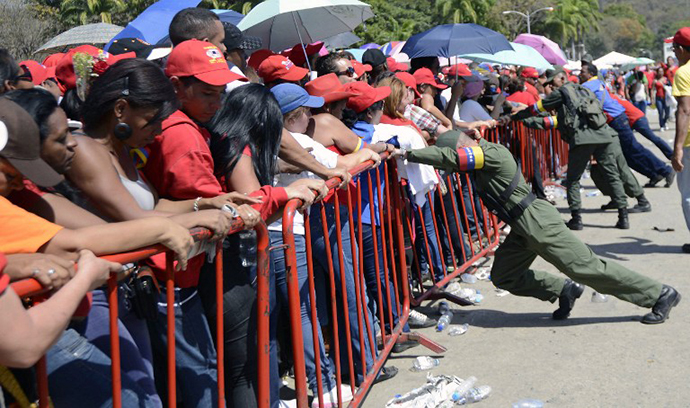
{"points": [[470, 158]]}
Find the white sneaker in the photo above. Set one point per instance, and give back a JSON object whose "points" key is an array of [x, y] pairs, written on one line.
{"points": [[330, 398], [287, 403], [419, 321]]}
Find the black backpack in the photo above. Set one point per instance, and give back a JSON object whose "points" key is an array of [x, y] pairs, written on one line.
{"points": [[584, 110]]}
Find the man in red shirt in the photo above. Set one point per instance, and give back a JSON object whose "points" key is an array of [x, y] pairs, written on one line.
{"points": [[518, 94], [530, 75]]}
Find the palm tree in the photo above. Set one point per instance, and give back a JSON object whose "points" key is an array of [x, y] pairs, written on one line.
{"points": [[88, 11], [464, 11], [571, 19]]}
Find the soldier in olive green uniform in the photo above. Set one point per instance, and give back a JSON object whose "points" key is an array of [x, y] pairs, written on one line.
{"points": [[537, 230], [584, 139]]}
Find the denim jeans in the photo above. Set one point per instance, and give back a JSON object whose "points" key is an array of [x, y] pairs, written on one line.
{"points": [[239, 324], [641, 105], [664, 111], [135, 345], [453, 237], [321, 263], [79, 376], [638, 157], [195, 354], [282, 311], [370, 275], [642, 126], [422, 227]]}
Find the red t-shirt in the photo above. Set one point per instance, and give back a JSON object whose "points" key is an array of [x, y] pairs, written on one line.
{"points": [[529, 88], [670, 72], [650, 78], [630, 110], [522, 97], [659, 86], [4, 279], [28, 196]]}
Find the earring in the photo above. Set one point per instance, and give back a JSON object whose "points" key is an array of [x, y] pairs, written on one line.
{"points": [[122, 131]]}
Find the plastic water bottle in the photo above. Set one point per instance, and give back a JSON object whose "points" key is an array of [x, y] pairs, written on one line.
{"points": [[423, 363], [443, 308], [528, 403], [444, 321], [248, 248], [468, 278], [463, 388], [475, 394], [599, 298], [458, 330]]}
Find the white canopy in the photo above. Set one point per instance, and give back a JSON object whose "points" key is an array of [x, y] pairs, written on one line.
{"points": [[611, 59]]}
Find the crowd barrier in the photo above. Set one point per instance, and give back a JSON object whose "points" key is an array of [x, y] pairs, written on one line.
{"points": [[361, 341]]}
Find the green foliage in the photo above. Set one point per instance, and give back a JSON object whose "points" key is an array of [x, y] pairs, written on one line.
{"points": [[464, 11], [396, 20], [622, 29]]}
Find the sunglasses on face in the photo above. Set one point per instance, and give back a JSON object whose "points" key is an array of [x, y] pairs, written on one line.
{"points": [[349, 72], [26, 76]]}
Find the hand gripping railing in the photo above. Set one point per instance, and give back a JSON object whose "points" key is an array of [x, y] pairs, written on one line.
{"points": [[32, 288]]}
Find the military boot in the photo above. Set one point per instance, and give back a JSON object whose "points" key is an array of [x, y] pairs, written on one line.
{"points": [[575, 222], [623, 222], [643, 205]]}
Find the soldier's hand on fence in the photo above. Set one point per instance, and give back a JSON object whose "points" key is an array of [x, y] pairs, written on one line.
{"points": [[677, 160], [96, 270], [177, 239], [51, 271]]}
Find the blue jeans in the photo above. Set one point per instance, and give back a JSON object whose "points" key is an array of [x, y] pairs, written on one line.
{"points": [[321, 263], [453, 237], [278, 261], [638, 157], [664, 111], [79, 376], [641, 105], [422, 227], [642, 126], [135, 345], [371, 278], [195, 354]]}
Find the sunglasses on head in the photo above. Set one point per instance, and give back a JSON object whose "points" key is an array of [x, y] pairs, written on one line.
{"points": [[349, 72]]}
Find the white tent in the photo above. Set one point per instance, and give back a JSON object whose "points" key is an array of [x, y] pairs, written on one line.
{"points": [[611, 59]]}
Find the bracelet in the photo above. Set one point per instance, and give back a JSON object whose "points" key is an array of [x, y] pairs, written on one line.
{"points": [[196, 203]]}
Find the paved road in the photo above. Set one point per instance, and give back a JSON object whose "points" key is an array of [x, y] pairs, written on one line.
{"points": [[600, 357]]}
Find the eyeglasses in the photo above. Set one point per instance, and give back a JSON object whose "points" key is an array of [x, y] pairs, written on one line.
{"points": [[349, 72], [26, 76]]}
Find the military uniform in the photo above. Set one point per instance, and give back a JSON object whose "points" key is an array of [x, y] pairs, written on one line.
{"points": [[537, 231], [584, 142]]}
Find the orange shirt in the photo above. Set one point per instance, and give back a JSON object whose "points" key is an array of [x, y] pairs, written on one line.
{"points": [[21, 231]]}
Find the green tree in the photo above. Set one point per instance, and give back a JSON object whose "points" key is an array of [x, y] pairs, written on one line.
{"points": [[570, 20], [91, 11], [465, 11], [624, 30], [396, 20]]}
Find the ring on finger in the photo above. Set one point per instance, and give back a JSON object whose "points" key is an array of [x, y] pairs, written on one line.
{"points": [[35, 272], [51, 272]]}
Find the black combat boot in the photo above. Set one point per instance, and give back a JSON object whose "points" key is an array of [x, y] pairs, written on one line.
{"points": [[575, 222], [643, 205], [623, 222]]}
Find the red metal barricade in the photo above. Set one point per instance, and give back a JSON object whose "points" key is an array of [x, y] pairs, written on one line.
{"points": [[32, 288]]}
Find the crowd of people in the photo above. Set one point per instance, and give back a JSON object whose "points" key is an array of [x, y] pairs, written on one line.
{"points": [[108, 152]]}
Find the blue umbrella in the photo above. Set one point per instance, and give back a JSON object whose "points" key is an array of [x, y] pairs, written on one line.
{"points": [[369, 45], [152, 24], [229, 16], [449, 40]]}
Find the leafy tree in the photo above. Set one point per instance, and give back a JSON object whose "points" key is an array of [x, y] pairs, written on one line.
{"points": [[37, 25], [465, 11], [622, 29], [396, 20], [91, 11]]}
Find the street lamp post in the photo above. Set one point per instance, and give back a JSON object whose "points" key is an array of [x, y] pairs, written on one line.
{"points": [[528, 16]]}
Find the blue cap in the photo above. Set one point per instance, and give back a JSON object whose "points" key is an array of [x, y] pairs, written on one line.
{"points": [[291, 97]]}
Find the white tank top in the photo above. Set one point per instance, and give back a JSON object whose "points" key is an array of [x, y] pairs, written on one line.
{"points": [[140, 191]]}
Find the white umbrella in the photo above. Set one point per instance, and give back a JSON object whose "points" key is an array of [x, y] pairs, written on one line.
{"points": [[520, 55], [611, 59], [283, 23], [99, 33]]}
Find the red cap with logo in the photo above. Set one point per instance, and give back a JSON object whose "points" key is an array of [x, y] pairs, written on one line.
{"points": [[329, 88], [458, 69], [529, 72], [278, 67], [425, 76], [202, 60], [682, 37], [360, 68], [258, 57], [39, 73], [296, 53], [366, 95], [409, 81]]}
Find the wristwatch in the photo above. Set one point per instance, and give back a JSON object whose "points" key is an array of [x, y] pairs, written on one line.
{"points": [[231, 210]]}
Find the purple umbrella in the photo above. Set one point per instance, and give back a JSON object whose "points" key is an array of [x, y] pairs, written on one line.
{"points": [[368, 46], [547, 48]]}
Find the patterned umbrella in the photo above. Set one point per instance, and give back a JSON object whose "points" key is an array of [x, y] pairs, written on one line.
{"points": [[99, 33]]}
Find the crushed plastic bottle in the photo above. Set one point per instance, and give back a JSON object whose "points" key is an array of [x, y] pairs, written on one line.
{"points": [[468, 278], [458, 330], [599, 298], [423, 363], [463, 388], [475, 394], [593, 193], [453, 287], [529, 403]]}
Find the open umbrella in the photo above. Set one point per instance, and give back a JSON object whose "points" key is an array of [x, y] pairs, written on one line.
{"points": [[636, 62], [283, 23], [455, 39], [370, 45], [341, 40], [547, 48], [392, 48], [520, 55], [99, 33], [613, 58]]}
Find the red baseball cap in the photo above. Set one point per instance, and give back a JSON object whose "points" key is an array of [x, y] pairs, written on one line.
{"points": [[458, 69], [409, 81], [365, 96], [202, 60], [360, 68], [258, 57], [682, 37], [329, 88], [296, 54], [64, 70], [53, 59], [39, 73], [529, 72], [394, 65], [425, 76], [279, 67]]}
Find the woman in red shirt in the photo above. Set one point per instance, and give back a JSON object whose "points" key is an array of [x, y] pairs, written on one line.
{"points": [[660, 82]]}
